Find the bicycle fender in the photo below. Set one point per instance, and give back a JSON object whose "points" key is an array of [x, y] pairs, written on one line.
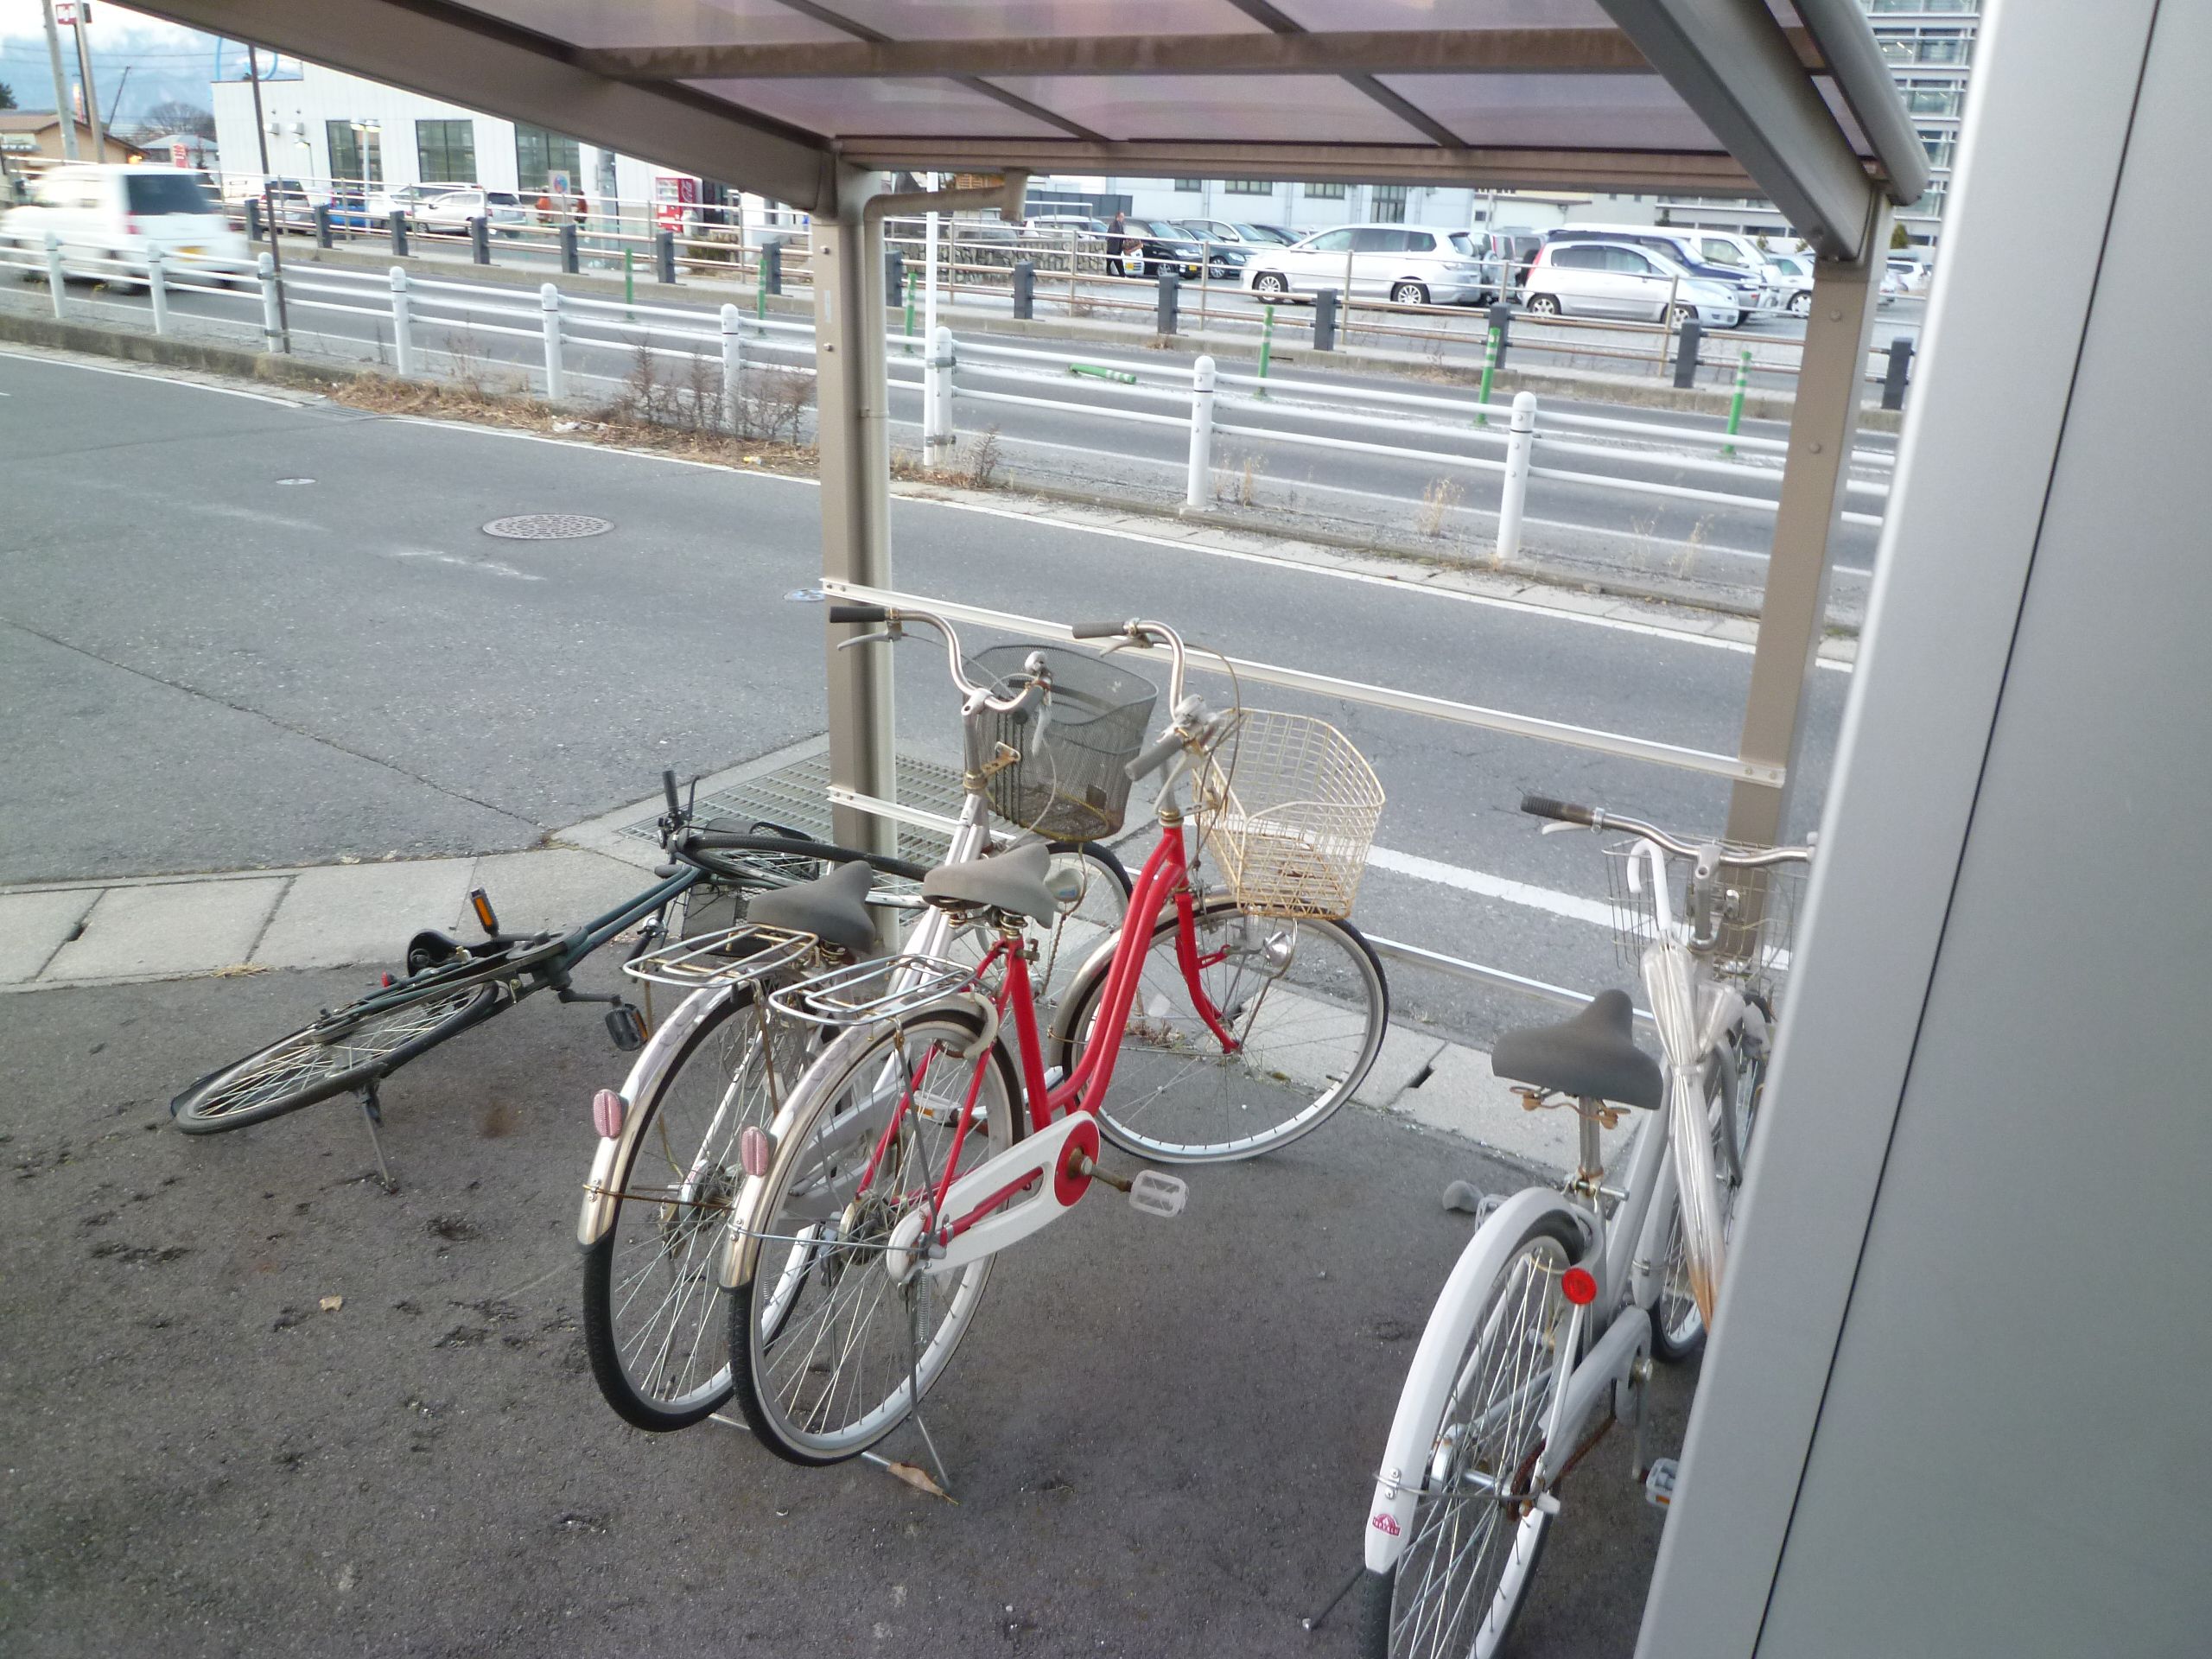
{"points": [[1428, 1379], [598, 1214]]}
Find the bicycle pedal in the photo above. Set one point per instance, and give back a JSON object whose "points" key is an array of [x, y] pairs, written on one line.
{"points": [[1659, 1481], [1156, 1194], [626, 1026]]}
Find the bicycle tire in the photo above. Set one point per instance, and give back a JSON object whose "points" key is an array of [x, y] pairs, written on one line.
{"points": [[342, 1050], [1498, 1333], [788, 1291], [1164, 1117]]}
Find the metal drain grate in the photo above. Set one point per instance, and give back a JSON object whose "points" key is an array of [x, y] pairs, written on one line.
{"points": [[797, 796], [547, 527]]}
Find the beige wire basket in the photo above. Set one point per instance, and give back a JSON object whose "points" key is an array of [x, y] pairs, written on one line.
{"points": [[1288, 808]]}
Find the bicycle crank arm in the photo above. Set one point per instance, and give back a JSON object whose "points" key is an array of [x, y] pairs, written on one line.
{"points": [[1040, 1174]]}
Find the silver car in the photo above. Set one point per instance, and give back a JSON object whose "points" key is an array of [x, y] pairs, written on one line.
{"points": [[1408, 265]]}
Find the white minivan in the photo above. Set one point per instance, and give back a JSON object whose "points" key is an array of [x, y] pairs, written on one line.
{"points": [[1408, 265], [110, 216]]}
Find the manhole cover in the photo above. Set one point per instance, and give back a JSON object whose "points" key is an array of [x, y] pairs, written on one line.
{"points": [[547, 527]]}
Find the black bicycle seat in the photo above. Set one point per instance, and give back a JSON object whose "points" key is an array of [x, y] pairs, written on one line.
{"points": [[1592, 1055], [832, 907]]}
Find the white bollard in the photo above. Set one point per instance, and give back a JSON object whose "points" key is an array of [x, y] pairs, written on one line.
{"points": [[733, 370], [157, 291], [272, 329], [1198, 492], [549, 297], [937, 428], [1518, 447], [53, 270], [402, 334]]}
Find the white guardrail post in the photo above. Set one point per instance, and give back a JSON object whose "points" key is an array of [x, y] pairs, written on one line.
{"points": [[937, 397], [157, 291], [402, 334], [549, 298], [1516, 496], [733, 369], [1197, 491], [53, 270], [272, 330]]}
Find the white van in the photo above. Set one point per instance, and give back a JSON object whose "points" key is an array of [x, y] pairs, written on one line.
{"points": [[109, 214]]}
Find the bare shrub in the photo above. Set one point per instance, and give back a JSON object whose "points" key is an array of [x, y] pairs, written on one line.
{"points": [[984, 460], [1438, 502]]}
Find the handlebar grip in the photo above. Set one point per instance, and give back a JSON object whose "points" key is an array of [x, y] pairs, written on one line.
{"points": [[859, 613], [1096, 630], [1543, 806], [668, 789], [1155, 757]]}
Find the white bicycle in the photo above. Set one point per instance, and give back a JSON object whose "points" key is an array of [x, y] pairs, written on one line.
{"points": [[1551, 1316]]}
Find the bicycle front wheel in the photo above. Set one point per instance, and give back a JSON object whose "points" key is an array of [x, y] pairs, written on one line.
{"points": [[827, 1354], [346, 1050], [652, 1307], [1677, 1325], [1476, 1532], [1299, 1010]]}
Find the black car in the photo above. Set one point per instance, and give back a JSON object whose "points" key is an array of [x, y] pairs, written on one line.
{"points": [[1149, 247]]}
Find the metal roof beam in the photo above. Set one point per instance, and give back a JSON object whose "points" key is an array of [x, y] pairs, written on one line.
{"points": [[1483, 51], [452, 53], [1734, 66]]}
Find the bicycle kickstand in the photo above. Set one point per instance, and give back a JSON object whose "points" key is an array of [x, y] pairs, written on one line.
{"points": [[373, 1115]]}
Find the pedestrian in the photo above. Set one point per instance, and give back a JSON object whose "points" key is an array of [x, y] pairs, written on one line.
{"points": [[546, 207], [1117, 239]]}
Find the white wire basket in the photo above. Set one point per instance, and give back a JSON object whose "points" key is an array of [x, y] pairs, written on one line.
{"points": [[1288, 808], [1754, 920]]}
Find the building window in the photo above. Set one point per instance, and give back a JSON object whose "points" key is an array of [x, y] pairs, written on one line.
{"points": [[1323, 192], [1187, 186], [1248, 187], [445, 151], [346, 160], [1386, 203], [539, 155]]}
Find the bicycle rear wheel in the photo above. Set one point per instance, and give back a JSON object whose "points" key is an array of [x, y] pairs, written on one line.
{"points": [[1304, 1003], [341, 1051], [827, 1355]]}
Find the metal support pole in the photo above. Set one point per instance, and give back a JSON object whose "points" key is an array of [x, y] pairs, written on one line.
{"points": [[1518, 448], [571, 261], [895, 272], [772, 267], [1324, 320], [664, 256], [1169, 284], [479, 240], [1822, 433], [322, 224], [733, 370], [158, 289], [942, 362], [272, 326], [1025, 290], [1899, 373], [854, 465], [60, 84], [53, 270], [398, 223], [1686, 352], [253, 219], [91, 96], [549, 297], [403, 332], [1198, 488], [1736, 403], [1501, 324]]}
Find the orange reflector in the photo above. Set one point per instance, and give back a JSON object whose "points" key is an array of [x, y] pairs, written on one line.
{"points": [[1581, 1290], [481, 902]]}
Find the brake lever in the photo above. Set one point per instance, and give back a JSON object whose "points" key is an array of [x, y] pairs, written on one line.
{"points": [[889, 636], [1556, 828]]}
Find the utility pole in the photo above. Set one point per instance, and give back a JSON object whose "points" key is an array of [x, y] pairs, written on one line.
{"points": [[61, 109], [91, 96], [269, 199]]}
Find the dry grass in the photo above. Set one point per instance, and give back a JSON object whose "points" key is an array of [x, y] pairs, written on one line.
{"points": [[1438, 503]]}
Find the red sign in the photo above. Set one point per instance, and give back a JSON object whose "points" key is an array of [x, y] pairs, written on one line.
{"points": [[673, 196], [180, 154], [65, 13]]}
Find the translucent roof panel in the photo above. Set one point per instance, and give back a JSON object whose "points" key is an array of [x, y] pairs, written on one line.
{"points": [[665, 23], [887, 108], [1325, 17], [1252, 109], [1555, 111], [986, 20]]}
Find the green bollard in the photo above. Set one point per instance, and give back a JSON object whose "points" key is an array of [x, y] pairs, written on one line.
{"points": [[629, 280], [1267, 343], [1097, 371], [1490, 368], [760, 289], [1736, 403], [910, 278]]}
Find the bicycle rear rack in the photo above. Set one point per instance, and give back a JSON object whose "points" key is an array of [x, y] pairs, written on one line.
{"points": [[749, 951], [867, 992]]}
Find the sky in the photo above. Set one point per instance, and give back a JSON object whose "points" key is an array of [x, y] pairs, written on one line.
{"points": [[166, 61]]}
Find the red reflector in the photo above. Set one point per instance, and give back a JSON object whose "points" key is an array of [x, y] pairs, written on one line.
{"points": [[608, 1111], [754, 1149], [1581, 1290]]}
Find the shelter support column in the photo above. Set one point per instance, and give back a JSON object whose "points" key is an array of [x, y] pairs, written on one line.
{"points": [[1823, 429], [856, 471]]}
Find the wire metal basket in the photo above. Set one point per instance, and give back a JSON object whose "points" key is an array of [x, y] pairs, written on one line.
{"points": [[749, 951], [1288, 808], [1753, 910], [1057, 768], [883, 988]]}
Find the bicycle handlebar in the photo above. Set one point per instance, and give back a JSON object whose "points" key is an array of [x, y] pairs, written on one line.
{"points": [[1162, 752], [973, 696], [1596, 817]]}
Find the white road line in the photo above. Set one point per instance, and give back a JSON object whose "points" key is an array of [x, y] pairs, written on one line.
{"points": [[1571, 905], [148, 374]]}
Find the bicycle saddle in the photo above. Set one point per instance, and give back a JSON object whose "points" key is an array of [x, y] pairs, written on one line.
{"points": [[1592, 1055], [832, 907], [1011, 881]]}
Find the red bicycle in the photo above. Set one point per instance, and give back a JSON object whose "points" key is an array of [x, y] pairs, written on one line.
{"points": [[1241, 1015]]}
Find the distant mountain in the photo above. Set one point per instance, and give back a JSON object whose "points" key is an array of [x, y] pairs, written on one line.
{"points": [[167, 65]]}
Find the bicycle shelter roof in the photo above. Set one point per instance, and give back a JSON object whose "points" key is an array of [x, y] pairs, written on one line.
{"points": [[1787, 98]]}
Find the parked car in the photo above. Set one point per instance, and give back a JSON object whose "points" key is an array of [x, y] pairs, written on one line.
{"points": [[1794, 274], [1409, 265], [1617, 279], [107, 212], [1750, 290], [1912, 273], [1732, 251], [449, 214], [1151, 245], [1505, 257], [1225, 254], [408, 198], [1274, 233]]}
